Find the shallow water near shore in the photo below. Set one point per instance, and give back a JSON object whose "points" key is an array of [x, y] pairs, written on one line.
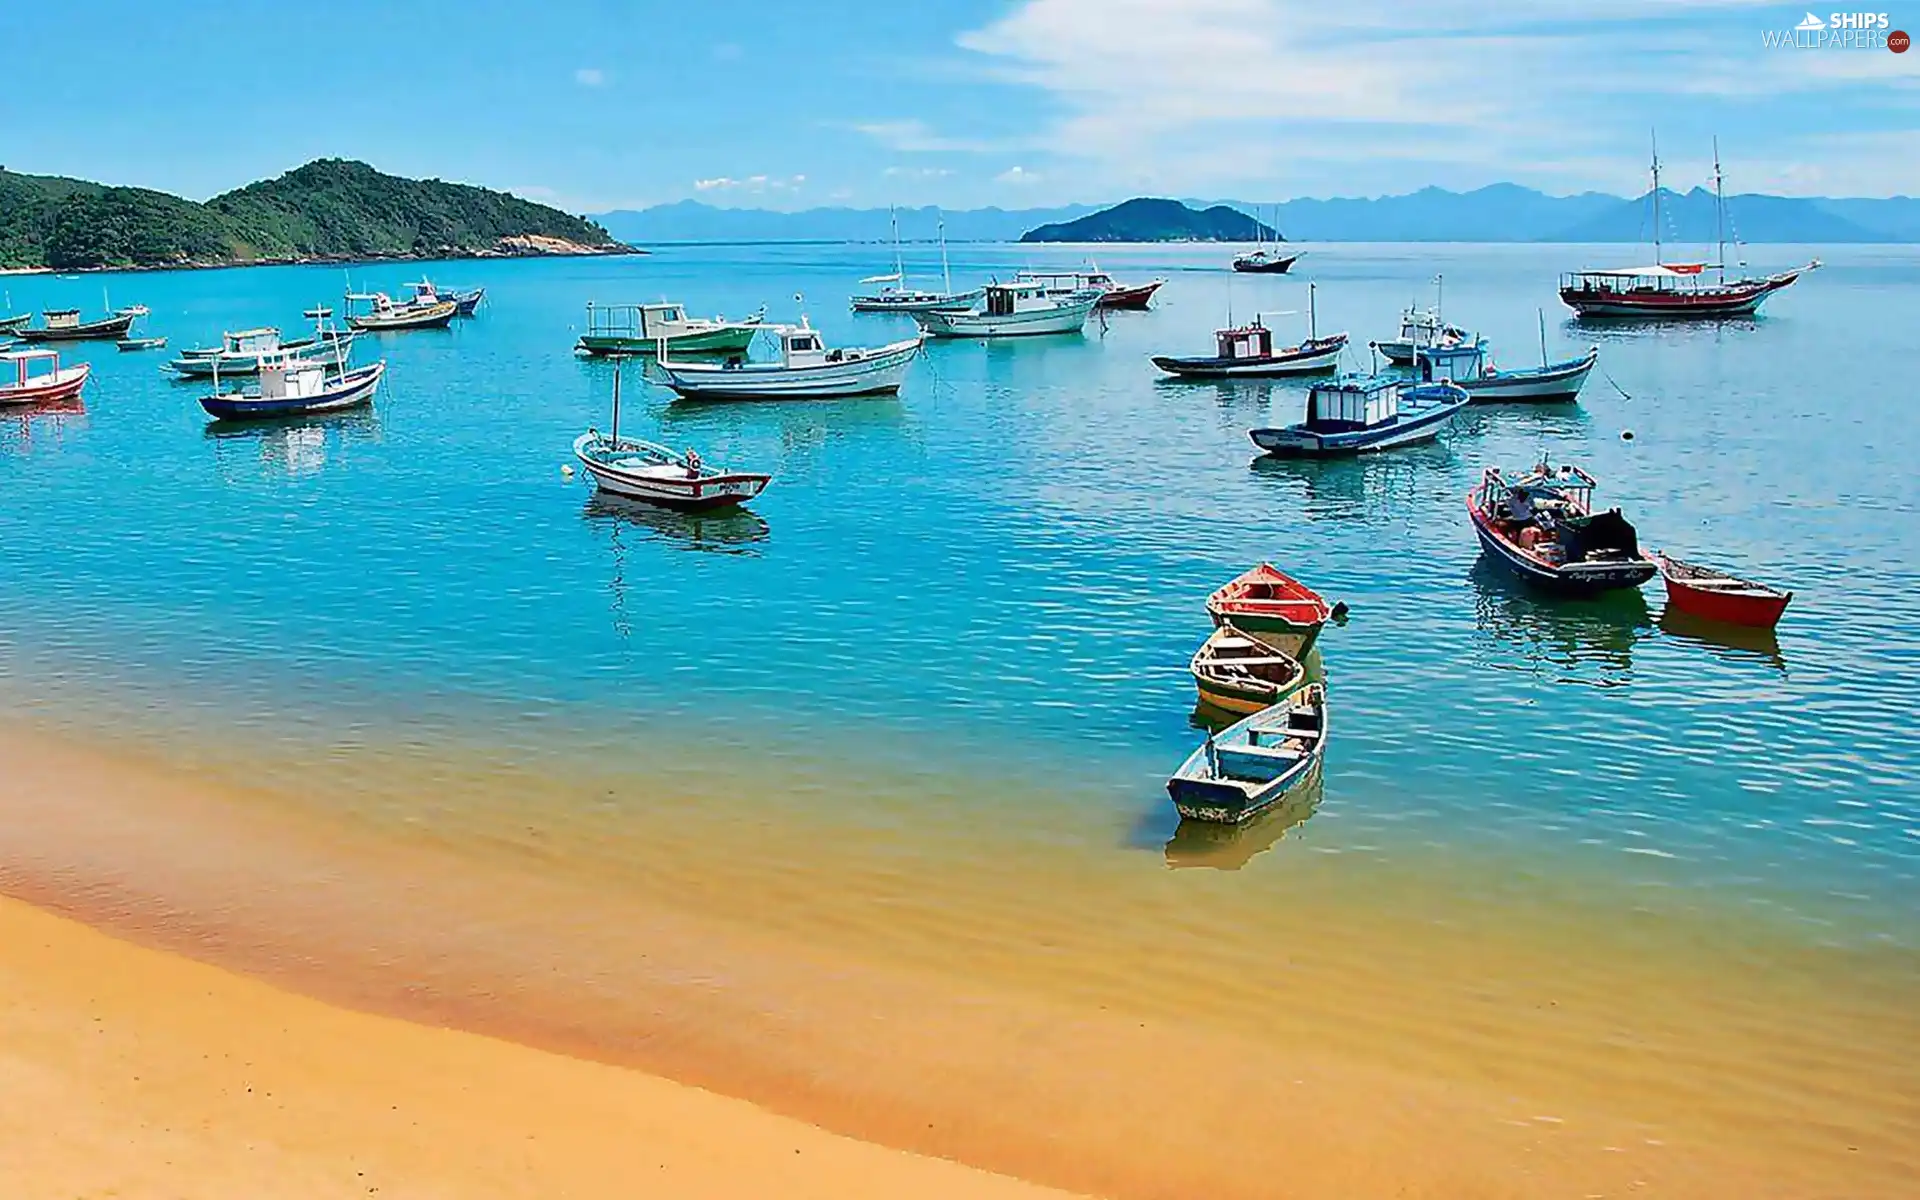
{"points": [[918, 705]]}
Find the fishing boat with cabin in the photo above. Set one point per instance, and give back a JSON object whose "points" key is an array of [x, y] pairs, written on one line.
{"points": [[1245, 769], [652, 472], [1665, 290], [1273, 606], [1717, 596], [894, 294], [1135, 297], [386, 315], [128, 345], [1469, 366], [14, 322], [1016, 309], [65, 325], [290, 385], [1248, 351], [1236, 672], [241, 352], [1542, 527], [1362, 414], [36, 377], [644, 329], [805, 370], [465, 304]]}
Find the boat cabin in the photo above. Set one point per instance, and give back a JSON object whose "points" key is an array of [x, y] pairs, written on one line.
{"points": [[62, 318], [1353, 403], [800, 346], [23, 363], [1453, 362], [1246, 342], [264, 340], [1660, 278], [289, 377], [1022, 295], [644, 321]]}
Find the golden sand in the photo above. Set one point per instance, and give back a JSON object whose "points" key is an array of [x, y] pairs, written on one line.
{"points": [[1348, 1028]]}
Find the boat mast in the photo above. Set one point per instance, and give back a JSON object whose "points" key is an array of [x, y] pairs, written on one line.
{"points": [[616, 402], [1313, 325], [893, 214], [1719, 213], [1543, 336], [1656, 197], [946, 271]]}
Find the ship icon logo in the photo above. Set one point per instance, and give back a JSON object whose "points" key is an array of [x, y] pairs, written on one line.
{"points": [[1812, 24]]}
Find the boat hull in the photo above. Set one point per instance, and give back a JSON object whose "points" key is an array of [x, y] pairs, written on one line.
{"points": [[1200, 796], [1134, 299], [1316, 362], [1067, 318], [878, 374], [1271, 266], [728, 340], [1731, 300], [1297, 441], [1735, 603], [355, 388], [65, 384], [958, 302], [433, 316], [1400, 351], [725, 489], [1557, 382], [12, 325], [109, 329], [1582, 579], [193, 364]]}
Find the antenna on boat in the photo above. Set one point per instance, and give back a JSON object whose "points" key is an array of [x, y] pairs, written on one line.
{"points": [[1654, 136]]}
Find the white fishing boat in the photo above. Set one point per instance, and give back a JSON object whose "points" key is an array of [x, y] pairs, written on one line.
{"points": [[649, 471], [894, 294], [1421, 329], [1015, 309], [1360, 414], [243, 351], [806, 369], [1470, 366]]}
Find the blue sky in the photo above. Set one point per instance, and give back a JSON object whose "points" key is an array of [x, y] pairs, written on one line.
{"points": [[598, 104]]}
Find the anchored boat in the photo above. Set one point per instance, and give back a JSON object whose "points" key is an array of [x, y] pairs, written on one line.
{"points": [[1360, 414], [1014, 309], [148, 343], [464, 303], [806, 369], [1272, 605], [65, 325], [1262, 261], [1113, 294], [385, 315], [1717, 596], [643, 329], [30, 385], [894, 294], [1238, 673], [1542, 527], [652, 472], [1468, 366], [1247, 768], [292, 386], [241, 352], [1675, 290], [1248, 350]]}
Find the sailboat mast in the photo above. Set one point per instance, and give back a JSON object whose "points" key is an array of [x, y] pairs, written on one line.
{"points": [[616, 402], [898, 269], [1313, 323], [1543, 337], [1719, 213], [1657, 256], [946, 271]]}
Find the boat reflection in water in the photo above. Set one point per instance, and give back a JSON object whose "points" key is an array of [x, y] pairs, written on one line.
{"points": [[44, 420], [1225, 847], [1574, 639], [1731, 643], [723, 531], [1364, 486], [295, 446]]}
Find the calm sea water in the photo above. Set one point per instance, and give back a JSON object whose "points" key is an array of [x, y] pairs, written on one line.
{"points": [[985, 592]]}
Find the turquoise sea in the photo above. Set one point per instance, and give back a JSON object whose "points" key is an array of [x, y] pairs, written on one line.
{"points": [[972, 607]]}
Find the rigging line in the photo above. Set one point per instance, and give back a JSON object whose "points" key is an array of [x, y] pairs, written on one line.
{"points": [[1616, 386]]}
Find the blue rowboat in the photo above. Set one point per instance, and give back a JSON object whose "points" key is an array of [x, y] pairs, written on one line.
{"points": [[295, 387], [1247, 768], [1357, 414]]}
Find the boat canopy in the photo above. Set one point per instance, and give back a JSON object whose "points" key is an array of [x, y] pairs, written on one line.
{"points": [[1657, 271], [1353, 403], [892, 278]]}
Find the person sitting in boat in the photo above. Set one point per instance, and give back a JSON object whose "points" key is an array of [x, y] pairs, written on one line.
{"points": [[693, 464]]}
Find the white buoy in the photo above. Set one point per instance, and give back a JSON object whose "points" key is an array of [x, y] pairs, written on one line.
{"points": [[566, 471]]}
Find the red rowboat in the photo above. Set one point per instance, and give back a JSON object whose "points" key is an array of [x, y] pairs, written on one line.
{"points": [[1718, 596], [1266, 600], [1129, 296], [48, 386]]}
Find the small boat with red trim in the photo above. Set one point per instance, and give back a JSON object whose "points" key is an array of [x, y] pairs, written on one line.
{"points": [[1251, 765], [1236, 672], [30, 386], [1542, 527], [1717, 596], [1268, 603], [1248, 351], [1113, 293], [652, 472]]}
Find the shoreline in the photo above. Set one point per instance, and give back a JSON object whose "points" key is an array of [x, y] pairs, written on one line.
{"points": [[374, 260], [1431, 1055]]}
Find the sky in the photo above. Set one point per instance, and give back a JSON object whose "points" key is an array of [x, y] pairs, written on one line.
{"points": [[594, 105]]}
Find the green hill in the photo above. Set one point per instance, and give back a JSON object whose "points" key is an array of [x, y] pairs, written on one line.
{"points": [[1150, 220], [330, 209]]}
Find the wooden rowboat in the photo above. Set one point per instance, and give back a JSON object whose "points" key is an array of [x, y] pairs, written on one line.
{"points": [[1241, 772], [1717, 596], [1266, 601], [23, 385], [1238, 673]]}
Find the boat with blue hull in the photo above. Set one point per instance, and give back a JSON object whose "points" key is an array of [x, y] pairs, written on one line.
{"points": [[291, 386], [1251, 765], [1542, 527], [1361, 414]]}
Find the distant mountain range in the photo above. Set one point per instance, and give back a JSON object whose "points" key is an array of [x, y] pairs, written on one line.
{"points": [[1149, 220], [1503, 212], [330, 209]]}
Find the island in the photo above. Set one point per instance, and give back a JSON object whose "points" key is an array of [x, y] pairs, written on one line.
{"points": [[330, 210], [1149, 220]]}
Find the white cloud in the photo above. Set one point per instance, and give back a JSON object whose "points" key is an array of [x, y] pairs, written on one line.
{"points": [[917, 172], [590, 77], [1016, 175], [752, 183], [915, 136]]}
